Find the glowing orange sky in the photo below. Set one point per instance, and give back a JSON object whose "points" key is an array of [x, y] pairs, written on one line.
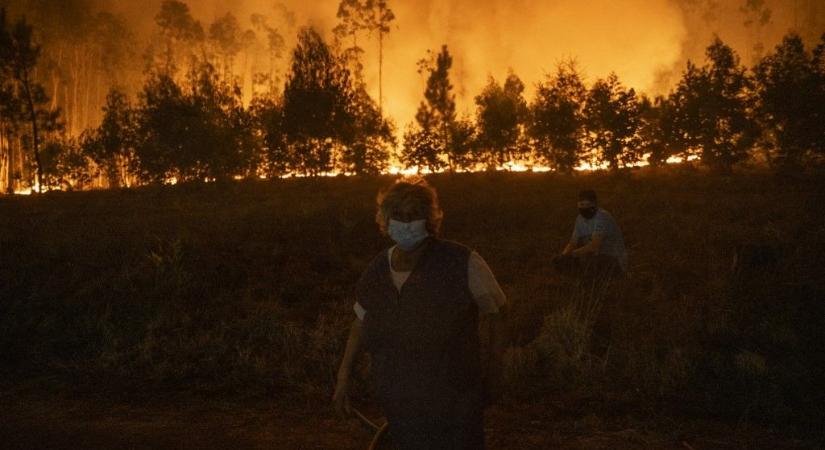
{"points": [[644, 41], [634, 38]]}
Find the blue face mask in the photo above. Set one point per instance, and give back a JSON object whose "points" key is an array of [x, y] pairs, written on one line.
{"points": [[407, 234]]}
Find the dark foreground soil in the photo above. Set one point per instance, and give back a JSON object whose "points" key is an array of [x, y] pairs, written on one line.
{"points": [[37, 422]]}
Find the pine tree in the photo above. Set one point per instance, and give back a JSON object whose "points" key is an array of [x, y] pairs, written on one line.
{"points": [[23, 54], [193, 132], [611, 121], [353, 17], [436, 114], [111, 146], [819, 95], [658, 134], [317, 104], [557, 119], [501, 115], [226, 36], [788, 108], [275, 44], [712, 107], [268, 114], [366, 149], [178, 29], [422, 149], [380, 18]]}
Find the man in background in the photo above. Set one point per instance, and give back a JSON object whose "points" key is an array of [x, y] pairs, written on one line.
{"points": [[596, 247]]}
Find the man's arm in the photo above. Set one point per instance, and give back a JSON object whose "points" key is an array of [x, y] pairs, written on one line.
{"points": [[574, 240], [341, 396], [568, 249], [591, 248]]}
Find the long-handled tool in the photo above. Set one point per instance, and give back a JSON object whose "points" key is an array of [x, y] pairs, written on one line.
{"points": [[380, 430]]}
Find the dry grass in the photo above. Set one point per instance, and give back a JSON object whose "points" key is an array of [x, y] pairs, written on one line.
{"points": [[247, 287]]}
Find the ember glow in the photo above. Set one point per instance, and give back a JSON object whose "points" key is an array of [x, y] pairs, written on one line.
{"points": [[645, 42], [637, 39]]}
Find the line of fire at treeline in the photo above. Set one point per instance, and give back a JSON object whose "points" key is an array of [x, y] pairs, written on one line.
{"points": [[190, 120]]}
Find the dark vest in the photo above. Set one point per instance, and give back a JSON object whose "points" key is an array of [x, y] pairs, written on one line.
{"points": [[423, 341]]}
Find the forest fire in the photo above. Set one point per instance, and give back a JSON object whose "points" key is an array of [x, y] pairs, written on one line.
{"points": [[511, 166], [197, 90], [276, 187]]}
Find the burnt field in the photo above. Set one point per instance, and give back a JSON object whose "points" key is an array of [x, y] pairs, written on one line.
{"points": [[239, 295]]}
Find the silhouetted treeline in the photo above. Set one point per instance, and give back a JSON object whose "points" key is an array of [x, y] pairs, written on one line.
{"points": [[190, 120]]}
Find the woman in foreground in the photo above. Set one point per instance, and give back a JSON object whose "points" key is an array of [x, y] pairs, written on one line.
{"points": [[418, 307]]}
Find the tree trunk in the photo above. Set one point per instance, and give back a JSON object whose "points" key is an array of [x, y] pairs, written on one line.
{"points": [[35, 137], [87, 75], [4, 163], [98, 101], [75, 93], [56, 79], [10, 168], [244, 72], [381, 73]]}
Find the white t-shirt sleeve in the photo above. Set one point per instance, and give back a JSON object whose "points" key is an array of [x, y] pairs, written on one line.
{"points": [[483, 285]]}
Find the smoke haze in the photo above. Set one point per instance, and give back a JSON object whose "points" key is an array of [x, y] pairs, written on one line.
{"points": [[646, 42]]}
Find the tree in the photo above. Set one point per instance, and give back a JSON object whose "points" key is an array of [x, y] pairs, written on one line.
{"points": [[611, 122], [757, 17], [789, 98], [23, 54], [112, 145], [178, 29], [437, 110], [379, 21], [195, 134], [352, 15], [275, 46], [10, 107], [163, 128], [268, 113], [501, 116], [712, 109], [68, 55], [463, 146], [658, 133], [355, 16], [84, 49], [221, 140], [556, 118], [819, 94], [117, 48], [436, 113], [366, 149], [317, 113], [65, 164], [422, 149], [227, 38]]}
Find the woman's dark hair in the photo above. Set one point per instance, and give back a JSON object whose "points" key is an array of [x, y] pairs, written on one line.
{"points": [[405, 190]]}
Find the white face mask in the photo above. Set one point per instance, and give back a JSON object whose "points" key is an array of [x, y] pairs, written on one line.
{"points": [[407, 234]]}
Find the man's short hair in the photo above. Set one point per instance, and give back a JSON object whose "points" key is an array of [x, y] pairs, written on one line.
{"points": [[588, 195]]}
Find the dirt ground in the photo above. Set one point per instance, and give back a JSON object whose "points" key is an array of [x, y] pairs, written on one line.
{"points": [[37, 422]]}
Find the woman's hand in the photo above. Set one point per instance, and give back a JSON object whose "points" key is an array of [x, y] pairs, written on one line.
{"points": [[341, 396]]}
